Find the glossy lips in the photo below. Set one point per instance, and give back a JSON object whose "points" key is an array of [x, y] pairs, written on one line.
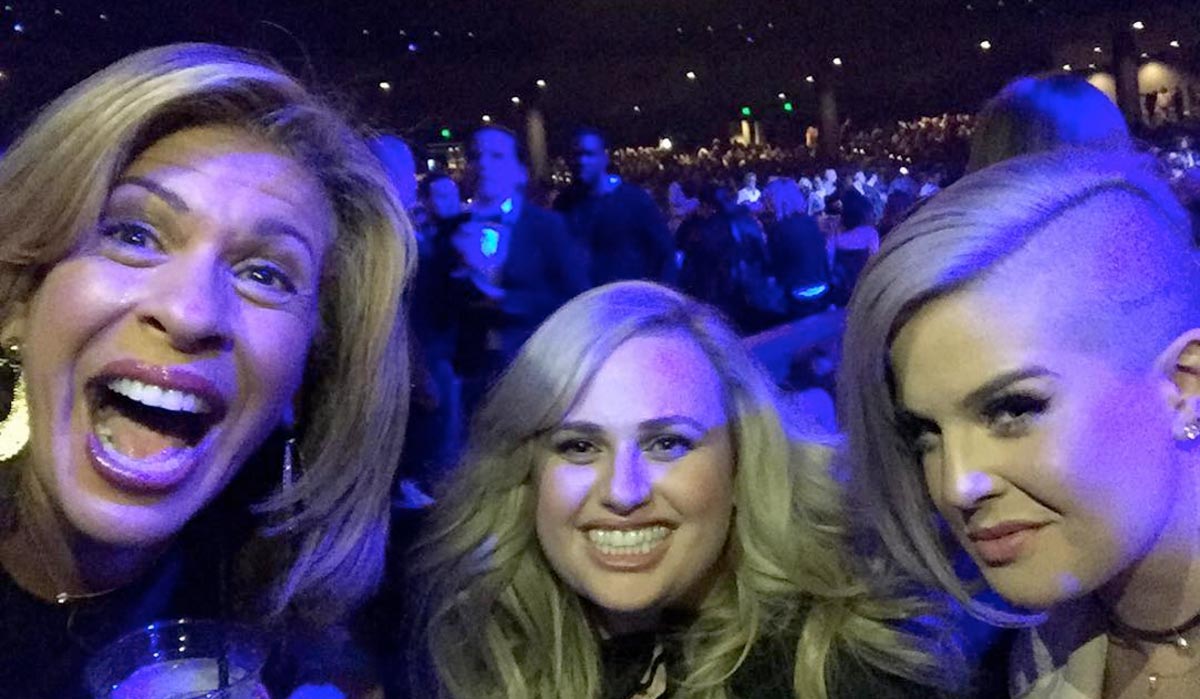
{"points": [[1004, 543], [151, 425]]}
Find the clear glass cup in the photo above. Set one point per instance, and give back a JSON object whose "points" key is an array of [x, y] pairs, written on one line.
{"points": [[181, 659]]}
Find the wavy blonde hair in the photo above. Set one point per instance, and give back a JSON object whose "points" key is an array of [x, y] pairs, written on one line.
{"points": [[959, 237], [329, 530], [498, 621]]}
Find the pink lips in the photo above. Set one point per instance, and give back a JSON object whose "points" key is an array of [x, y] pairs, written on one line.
{"points": [[1004, 543], [167, 470], [156, 474]]}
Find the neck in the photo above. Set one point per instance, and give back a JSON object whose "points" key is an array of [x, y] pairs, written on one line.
{"points": [[48, 557], [1162, 590], [616, 624]]}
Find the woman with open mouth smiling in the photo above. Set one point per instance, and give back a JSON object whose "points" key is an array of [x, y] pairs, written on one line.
{"points": [[1022, 374], [632, 519], [201, 272]]}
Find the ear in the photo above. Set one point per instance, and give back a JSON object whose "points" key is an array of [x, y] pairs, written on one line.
{"points": [[1179, 367]]}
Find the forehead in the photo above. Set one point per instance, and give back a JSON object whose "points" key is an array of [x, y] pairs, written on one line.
{"points": [[1073, 295], [649, 377], [239, 157], [958, 342], [237, 171]]}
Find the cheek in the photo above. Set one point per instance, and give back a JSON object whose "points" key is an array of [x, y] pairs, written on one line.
{"points": [[701, 490], [1117, 466], [275, 352], [562, 491]]}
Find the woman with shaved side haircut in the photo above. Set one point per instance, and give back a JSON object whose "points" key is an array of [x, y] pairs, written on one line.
{"points": [[1022, 382]]}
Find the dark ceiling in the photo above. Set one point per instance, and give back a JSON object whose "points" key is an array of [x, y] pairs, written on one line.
{"points": [[599, 58]]}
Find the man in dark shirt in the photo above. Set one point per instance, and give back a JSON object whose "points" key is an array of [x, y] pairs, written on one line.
{"points": [[618, 223], [506, 266]]}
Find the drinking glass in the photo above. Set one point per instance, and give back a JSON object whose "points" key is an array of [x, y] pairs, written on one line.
{"points": [[181, 659]]}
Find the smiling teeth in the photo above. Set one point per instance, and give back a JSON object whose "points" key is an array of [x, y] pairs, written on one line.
{"points": [[156, 397], [627, 541], [105, 433]]}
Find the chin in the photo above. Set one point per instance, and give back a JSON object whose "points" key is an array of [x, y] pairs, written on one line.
{"points": [[125, 522], [1034, 593], [624, 602], [125, 526]]}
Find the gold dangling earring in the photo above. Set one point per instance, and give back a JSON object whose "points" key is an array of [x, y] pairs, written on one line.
{"points": [[14, 428]]}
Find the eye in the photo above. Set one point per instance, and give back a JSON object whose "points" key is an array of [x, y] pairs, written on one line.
{"points": [[920, 435], [925, 443], [269, 276], [1013, 415], [576, 449], [131, 235], [669, 446]]}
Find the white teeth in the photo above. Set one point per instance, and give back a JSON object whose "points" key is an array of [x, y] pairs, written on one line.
{"points": [[105, 433], [627, 541], [157, 397]]}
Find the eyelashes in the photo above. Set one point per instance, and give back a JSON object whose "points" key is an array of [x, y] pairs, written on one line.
{"points": [[138, 244], [660, 447], [1010, 415], [1014, 414]]}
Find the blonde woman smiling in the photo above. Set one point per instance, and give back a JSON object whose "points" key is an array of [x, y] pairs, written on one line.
{"points": [[633, 519]]}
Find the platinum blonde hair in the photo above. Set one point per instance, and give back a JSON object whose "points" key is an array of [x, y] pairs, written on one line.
{"points": [[959, 237], [330, 529], [499, 622]]}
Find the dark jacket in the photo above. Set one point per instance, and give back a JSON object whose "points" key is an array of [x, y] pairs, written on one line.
{"points": [[623, 232], [543, 270]]}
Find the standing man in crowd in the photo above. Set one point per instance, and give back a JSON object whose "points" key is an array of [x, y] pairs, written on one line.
{"points": [[509, 264], [618, 224]]}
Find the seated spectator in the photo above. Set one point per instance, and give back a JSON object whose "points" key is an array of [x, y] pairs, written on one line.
{"points": [[799, 261], [854, 245]]}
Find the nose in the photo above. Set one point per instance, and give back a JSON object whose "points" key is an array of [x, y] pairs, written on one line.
{"points": [[965, 480], [630, 484], [190, 301]]}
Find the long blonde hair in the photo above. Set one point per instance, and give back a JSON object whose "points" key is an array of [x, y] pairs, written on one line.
{"points": [[498, 621], [957, 238], [330, 528]]}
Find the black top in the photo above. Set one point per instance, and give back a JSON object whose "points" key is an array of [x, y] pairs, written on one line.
{"points": [[45, 646], [631, 662], [623, 231], [798, 256]]}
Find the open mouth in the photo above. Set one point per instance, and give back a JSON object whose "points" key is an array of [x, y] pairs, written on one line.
{"points": [[149, 436]]}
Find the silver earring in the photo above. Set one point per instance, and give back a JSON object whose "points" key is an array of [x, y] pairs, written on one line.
{"points": [[1191, 431], [290, 457], [292, 466]]}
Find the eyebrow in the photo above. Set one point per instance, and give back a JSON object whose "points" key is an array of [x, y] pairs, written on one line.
{"points": [[275, 228], [591, 428], [907, 419], [1003, 381], [172, 199], [270, 227]]}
